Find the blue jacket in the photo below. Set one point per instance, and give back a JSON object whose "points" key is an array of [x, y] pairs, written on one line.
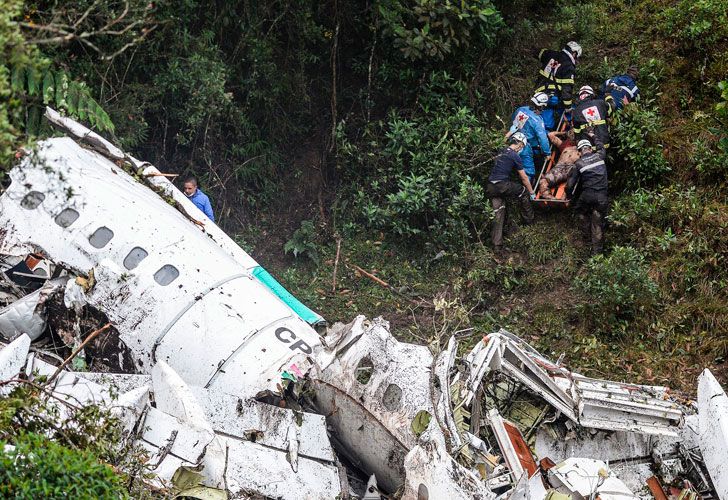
{"points": [[526, 155], [202, 202], [531, 124], [620, 86]]}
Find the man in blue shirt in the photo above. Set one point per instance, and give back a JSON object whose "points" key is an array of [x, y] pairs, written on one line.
{"points": [[199, 198], [622, 88], [527, 119], [500, 186]]}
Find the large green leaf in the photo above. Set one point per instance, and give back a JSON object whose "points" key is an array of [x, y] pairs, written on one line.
{"points": [[49, 87], [72, 99], [17, 79], [33, 82]]}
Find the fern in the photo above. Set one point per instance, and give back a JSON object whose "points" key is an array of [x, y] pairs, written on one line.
{"points": [[56, 89]]}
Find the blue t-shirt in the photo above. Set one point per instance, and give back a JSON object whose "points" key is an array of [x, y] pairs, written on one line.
{"points": [[202, 202], [506, 161]]}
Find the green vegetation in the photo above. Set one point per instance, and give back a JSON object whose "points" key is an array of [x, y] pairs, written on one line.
{"points": [[40, 468], [371, 127]]}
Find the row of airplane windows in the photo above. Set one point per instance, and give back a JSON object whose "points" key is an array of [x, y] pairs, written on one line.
{"points": [[101, 237]]}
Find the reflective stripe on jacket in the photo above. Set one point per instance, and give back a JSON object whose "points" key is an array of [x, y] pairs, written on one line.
{"points": [[590, 171], [557, 74]]}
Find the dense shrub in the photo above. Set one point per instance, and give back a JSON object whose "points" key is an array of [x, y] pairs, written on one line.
{"points": [[418, 174], [697, 24], [429, 29], [618, 287], [40, 468], [636, 135]]}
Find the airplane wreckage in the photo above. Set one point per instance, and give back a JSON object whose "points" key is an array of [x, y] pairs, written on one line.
{"points": [[214, 367]]}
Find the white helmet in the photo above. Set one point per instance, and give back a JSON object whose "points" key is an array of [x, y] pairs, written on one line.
{"points": [[586, 90], [540, 99], [574, 47], [584, 143], [519, 137]]}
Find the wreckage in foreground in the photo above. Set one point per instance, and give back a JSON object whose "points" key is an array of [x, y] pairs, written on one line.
{"points": [[213, 357]]}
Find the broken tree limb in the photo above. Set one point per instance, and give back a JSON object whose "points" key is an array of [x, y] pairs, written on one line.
{"points": [[371, 276], [160, 174], [336, 264], [85, 342]]}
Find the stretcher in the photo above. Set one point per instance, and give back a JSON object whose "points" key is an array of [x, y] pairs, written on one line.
{"points": [[559, 191]]}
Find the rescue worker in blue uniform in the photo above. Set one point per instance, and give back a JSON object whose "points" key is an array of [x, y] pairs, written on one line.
{"points": [[589, 175], [500, 186], [622, 88], [591, 113], [527, 119], [556, 79]]}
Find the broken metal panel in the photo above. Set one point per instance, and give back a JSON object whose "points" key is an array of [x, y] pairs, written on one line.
{"points": [[608, 445], [245, 419], [372, 416], [255, 469], [432, 473], [13, 357], [270, 425], [585, 478], [394, 363], [444, 410], [507, 448], [713, 425], [27, 315], [591, 402]]}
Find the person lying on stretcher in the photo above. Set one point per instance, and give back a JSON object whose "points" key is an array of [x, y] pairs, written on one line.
{"points": [[566, 144]]}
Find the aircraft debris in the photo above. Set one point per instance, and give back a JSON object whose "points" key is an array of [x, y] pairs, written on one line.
{"points": [[225, 383]]}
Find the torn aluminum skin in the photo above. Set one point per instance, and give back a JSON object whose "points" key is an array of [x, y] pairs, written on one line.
{"points": [[186, 429]]}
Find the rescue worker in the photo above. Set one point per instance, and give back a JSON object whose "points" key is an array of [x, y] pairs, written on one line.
{"points": [[556, 79], [591, 112], [566, 144], [622, 88], [590, 175], [500, 186], [527, 119]]}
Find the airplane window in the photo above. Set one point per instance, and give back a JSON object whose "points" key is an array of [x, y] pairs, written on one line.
{"points": [[101, 237], [32, 200], [67, 217], [134, 257], [166, 275]]}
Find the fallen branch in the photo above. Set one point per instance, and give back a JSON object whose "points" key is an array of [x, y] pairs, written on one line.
{"points": [[85, 342], [160, 174], [371, 276], [336, 264]]}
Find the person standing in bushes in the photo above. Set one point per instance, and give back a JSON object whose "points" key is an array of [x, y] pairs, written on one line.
{"points": [[527, 119], [556, 79], [196, 196], [591, 113], [500, 186], [590, 176], [622, 88]]}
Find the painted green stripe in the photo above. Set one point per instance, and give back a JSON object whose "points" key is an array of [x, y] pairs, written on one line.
{"points": [[296, 305]]}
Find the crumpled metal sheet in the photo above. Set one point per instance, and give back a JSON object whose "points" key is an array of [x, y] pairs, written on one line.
{"points": [[27, 314], [374, 419], [713, 425], [177, 432]]}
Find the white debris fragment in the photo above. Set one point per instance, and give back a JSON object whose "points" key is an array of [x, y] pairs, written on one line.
{"points": [[28, 315], [13, 357], [713, 415], [585, 479]]}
